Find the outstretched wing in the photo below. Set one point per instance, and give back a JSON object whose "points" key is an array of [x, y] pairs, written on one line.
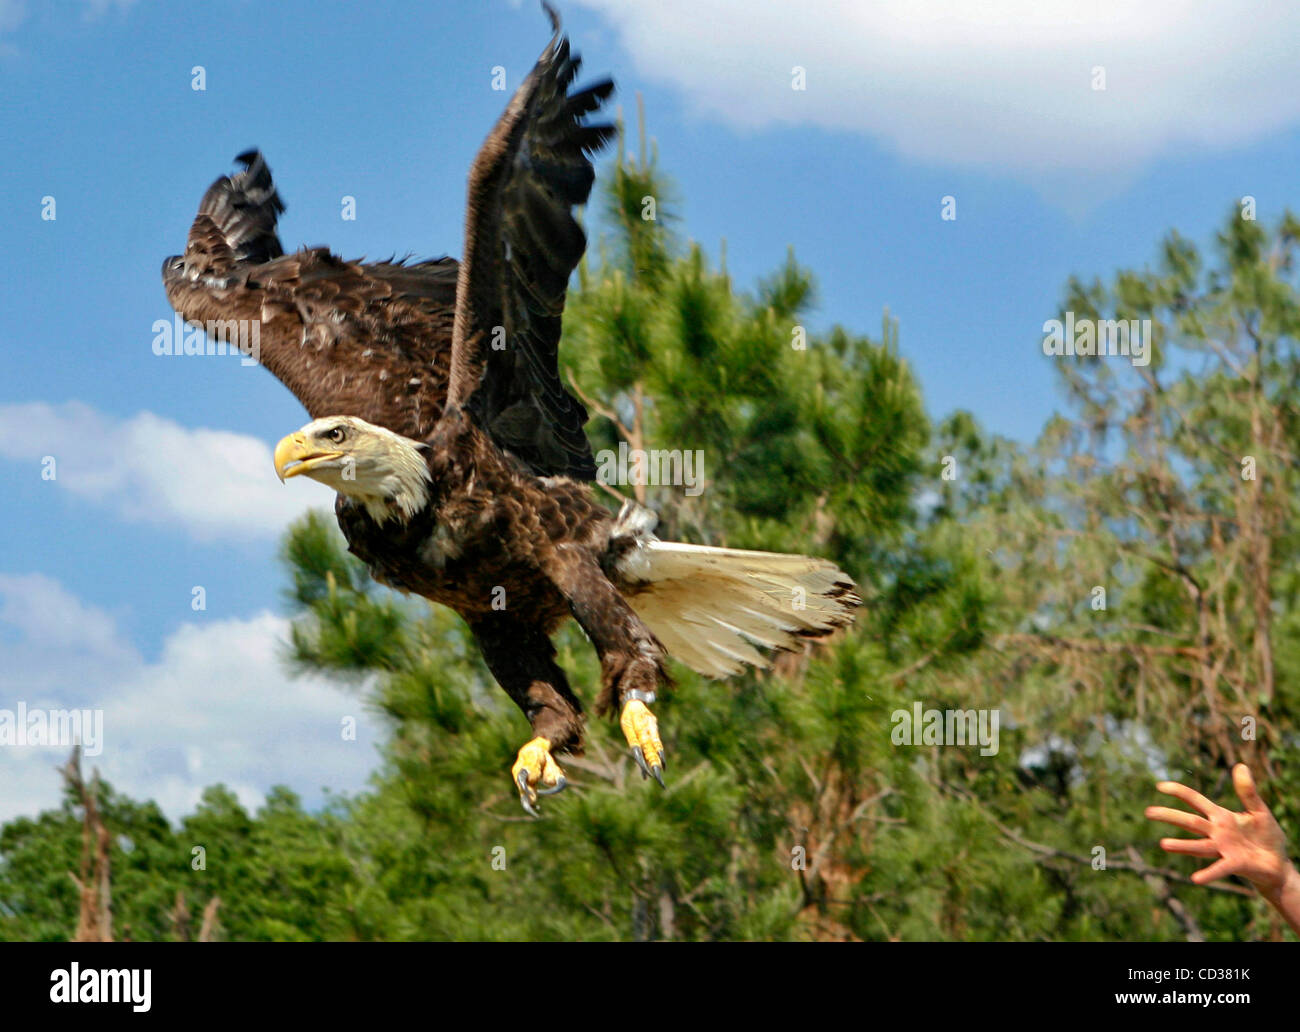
{"points": [[522, 243], [347, 338]]}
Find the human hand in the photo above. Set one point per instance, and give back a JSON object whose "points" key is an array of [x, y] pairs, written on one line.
{"points": [[1250, 844]]}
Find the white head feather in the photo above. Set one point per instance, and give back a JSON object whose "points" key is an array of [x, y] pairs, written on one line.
{"points": [[384, 471]]}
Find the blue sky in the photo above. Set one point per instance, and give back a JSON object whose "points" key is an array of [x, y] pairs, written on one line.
{"points": [[164, 480]]}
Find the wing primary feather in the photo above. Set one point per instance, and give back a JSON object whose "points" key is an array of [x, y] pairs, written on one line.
{"points": [[522, 244]]}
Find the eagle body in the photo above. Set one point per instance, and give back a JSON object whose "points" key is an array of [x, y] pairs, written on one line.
{"points": [[488, 535], [512, 554], [460, 459]]}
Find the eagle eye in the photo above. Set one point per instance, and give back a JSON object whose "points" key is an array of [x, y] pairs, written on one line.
{"points": [[336, 434]]}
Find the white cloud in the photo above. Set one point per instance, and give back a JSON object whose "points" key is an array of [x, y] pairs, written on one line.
{"points": [[47, 615], [211, 484], [218, 705], [12, 13], [99, 8], [1002, 85]]}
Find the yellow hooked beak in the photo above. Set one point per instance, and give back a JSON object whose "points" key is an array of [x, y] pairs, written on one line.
{"points": [[295, 449]]}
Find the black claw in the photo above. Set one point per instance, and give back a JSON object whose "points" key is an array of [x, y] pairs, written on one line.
{"points": [[557, 787], [522, 781], [639, 756], [658, 773]]}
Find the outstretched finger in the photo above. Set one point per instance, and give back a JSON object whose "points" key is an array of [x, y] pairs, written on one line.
{"points": [[1244, 782], [1192, 847], [1188, 795], [1216, 870], [1179, 819]]}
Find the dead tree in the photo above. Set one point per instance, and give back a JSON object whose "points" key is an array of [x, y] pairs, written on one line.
{"points": [[95, 913]]}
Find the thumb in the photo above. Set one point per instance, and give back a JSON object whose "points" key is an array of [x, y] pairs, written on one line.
{"points": [[1244, 783]]}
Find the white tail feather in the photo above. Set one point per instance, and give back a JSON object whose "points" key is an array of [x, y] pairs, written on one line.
{"points": [[711, 606]]}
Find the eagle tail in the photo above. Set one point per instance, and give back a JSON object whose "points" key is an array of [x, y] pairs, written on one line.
{"points": [[237, 217], [714, 608]]}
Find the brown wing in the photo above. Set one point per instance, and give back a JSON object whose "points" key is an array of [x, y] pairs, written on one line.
{"points": [[521, 245], [347, 338]]}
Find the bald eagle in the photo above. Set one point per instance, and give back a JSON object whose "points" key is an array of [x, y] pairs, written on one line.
{"points": [[460, 460]]}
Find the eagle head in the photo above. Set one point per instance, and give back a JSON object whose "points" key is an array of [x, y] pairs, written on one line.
{"points": [[384, 471]]}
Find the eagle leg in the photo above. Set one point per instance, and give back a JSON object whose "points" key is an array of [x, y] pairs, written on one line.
{"points": [[631, 657], [522, 659], [641, 730], [536, 773]]}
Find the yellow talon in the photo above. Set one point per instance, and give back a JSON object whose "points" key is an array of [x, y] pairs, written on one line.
{"points": [[641, 730], [535, 773]]}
